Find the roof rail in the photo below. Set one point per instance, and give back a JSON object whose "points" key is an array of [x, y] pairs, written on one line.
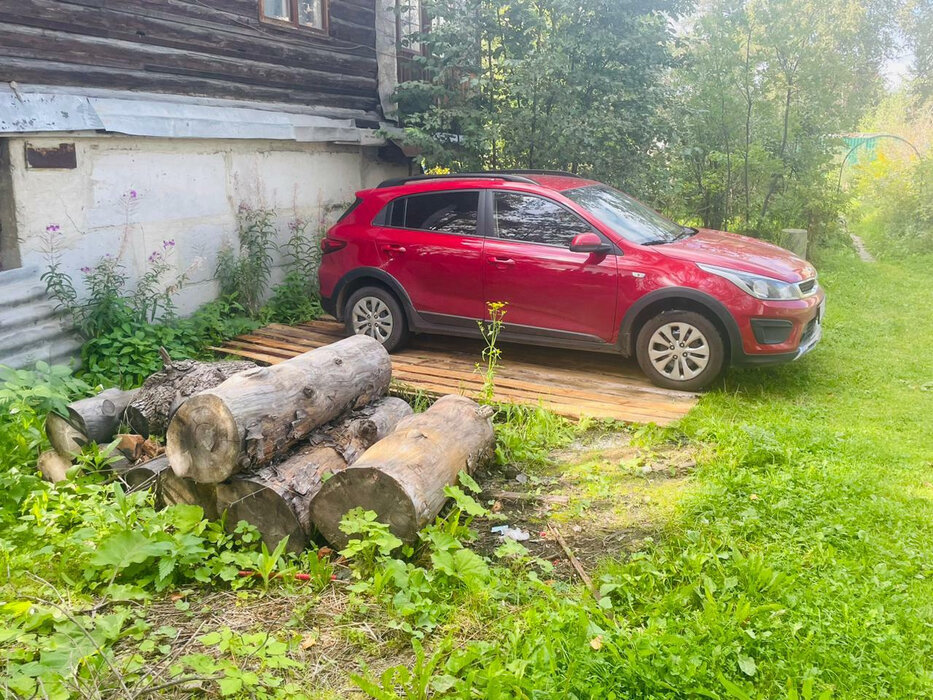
{"points": [[508, 177], [561, 173]]}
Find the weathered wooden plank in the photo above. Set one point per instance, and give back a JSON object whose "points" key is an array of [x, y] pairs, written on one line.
{"points": [[427, 368], [84, 50], [230, 41], [217, 49], [14, 67]]}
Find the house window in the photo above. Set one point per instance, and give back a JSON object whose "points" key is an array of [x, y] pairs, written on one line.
{"points": [[311, 14], [410, 22]]}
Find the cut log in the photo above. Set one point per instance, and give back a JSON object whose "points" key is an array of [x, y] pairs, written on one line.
{"points": [[95, 419], [54, 467], [276, 499], [402, 477], [163, 392], [257, 415], [168, 489]]}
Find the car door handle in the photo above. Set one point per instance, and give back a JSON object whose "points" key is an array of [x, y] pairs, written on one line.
{"points": [[393, 248], [497, 260]]}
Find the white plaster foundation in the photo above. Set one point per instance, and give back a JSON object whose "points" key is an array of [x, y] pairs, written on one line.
{"points": [[186, 190]]}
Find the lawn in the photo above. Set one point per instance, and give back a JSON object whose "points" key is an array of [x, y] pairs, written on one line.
{"points": [[777, 543]]}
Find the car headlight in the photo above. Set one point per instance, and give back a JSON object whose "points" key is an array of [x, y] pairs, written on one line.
{"points": [[758, 286]]}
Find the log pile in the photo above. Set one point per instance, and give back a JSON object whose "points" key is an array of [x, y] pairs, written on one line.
{"points": [[289, 448]]}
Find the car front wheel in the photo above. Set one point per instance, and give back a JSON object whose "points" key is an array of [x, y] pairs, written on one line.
{"points": [[375, 312], [680, 350]]}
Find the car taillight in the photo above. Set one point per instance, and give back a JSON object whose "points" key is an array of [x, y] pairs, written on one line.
{"points": [[331, 245]]}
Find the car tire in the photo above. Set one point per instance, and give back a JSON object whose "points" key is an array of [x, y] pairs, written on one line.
{"points": [[662, 342], [375, 312]]}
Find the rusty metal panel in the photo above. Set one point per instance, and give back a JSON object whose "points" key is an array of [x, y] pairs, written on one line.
{"points": [[60, 157]]}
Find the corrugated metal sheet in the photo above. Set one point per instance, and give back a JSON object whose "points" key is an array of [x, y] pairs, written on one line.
{"points": [[30, 329]]}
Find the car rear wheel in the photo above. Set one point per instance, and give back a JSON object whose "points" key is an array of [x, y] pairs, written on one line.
{"points": [[680, 350], [375, 312]]}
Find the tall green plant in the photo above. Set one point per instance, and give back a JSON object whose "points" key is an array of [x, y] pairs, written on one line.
{"points": [[244, 272]]}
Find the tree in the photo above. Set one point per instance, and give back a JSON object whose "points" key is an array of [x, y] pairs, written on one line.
{"points": [[563, 84]]}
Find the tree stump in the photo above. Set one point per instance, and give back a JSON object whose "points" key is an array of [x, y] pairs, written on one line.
{"points": [[95, 419], [163, 392], [257, 415], [402, 477], [276, 499]]}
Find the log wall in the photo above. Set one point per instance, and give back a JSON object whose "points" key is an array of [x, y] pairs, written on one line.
{"points": [[210, 48]]}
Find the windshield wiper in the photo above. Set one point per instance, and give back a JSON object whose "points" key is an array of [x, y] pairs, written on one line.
{"points": [[686, 232]]}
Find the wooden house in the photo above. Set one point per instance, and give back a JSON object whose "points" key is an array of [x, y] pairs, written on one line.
{"points": [[126, 123]]}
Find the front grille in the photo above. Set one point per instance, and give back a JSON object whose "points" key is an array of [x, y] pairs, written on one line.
{"points": [[807, 286]]}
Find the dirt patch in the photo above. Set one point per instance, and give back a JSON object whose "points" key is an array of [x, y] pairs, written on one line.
{"points": [[604, 495]]}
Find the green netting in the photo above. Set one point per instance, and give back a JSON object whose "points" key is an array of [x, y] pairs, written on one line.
{"points": [[862, 149]]}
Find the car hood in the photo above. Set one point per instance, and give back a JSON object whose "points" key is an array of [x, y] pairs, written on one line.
{"points": [[741, 253]]}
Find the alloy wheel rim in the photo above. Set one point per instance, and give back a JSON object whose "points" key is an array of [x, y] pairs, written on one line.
{"points": [[371, 316], [678, 351]]}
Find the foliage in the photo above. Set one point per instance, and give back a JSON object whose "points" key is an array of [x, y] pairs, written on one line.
{"points": [[127, 353], [296, 298], [542, 84], [763, 90], [892, 206], [244, 272], [109, 301], [528, 434], [26, 396]]}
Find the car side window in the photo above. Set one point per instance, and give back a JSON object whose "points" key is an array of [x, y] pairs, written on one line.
{"points": [[533, 219], [445, 212]]}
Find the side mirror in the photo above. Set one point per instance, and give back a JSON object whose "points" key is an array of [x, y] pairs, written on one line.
{"points": [[589, 243]]}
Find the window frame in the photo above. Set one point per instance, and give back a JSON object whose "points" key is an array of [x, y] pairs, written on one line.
{"points": [[384, 217], [407, 51], [494, 228], [294, 23]]}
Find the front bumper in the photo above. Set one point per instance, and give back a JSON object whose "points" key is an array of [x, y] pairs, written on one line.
{"points": [[810, 335]]}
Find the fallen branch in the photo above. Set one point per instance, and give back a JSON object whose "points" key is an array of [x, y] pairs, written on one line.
{"points": [[574, 562]]}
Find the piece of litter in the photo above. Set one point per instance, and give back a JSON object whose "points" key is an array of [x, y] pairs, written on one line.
{"points": [[521, 478], [511, 533]]}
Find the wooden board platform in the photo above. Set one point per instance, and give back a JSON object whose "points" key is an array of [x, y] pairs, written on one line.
{"points": [[570, 383]]}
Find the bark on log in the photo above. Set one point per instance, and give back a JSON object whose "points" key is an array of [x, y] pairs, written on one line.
{"points": [[257, 415], [402, 477], [163, 392], [95, 419], [276, 499]]}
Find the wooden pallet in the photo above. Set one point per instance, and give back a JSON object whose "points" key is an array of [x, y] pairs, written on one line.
{"points": [[570, 383]]}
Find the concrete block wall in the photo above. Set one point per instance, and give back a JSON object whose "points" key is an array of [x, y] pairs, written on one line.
{"points": [[128, 195]]}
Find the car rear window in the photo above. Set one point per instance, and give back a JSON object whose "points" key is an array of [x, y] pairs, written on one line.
{"points": [[445, 212]]}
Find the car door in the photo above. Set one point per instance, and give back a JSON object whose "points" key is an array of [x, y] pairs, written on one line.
{"points": [[430, 243], [548, 287]]}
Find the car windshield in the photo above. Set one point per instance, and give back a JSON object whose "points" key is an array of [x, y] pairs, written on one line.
{"points": [[626, 216]]}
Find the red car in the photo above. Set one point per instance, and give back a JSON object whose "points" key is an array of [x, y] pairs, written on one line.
{"points": [[579, 264]]}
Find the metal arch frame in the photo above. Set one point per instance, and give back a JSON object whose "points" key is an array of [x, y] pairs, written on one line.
{"points": [[877, 136]]}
